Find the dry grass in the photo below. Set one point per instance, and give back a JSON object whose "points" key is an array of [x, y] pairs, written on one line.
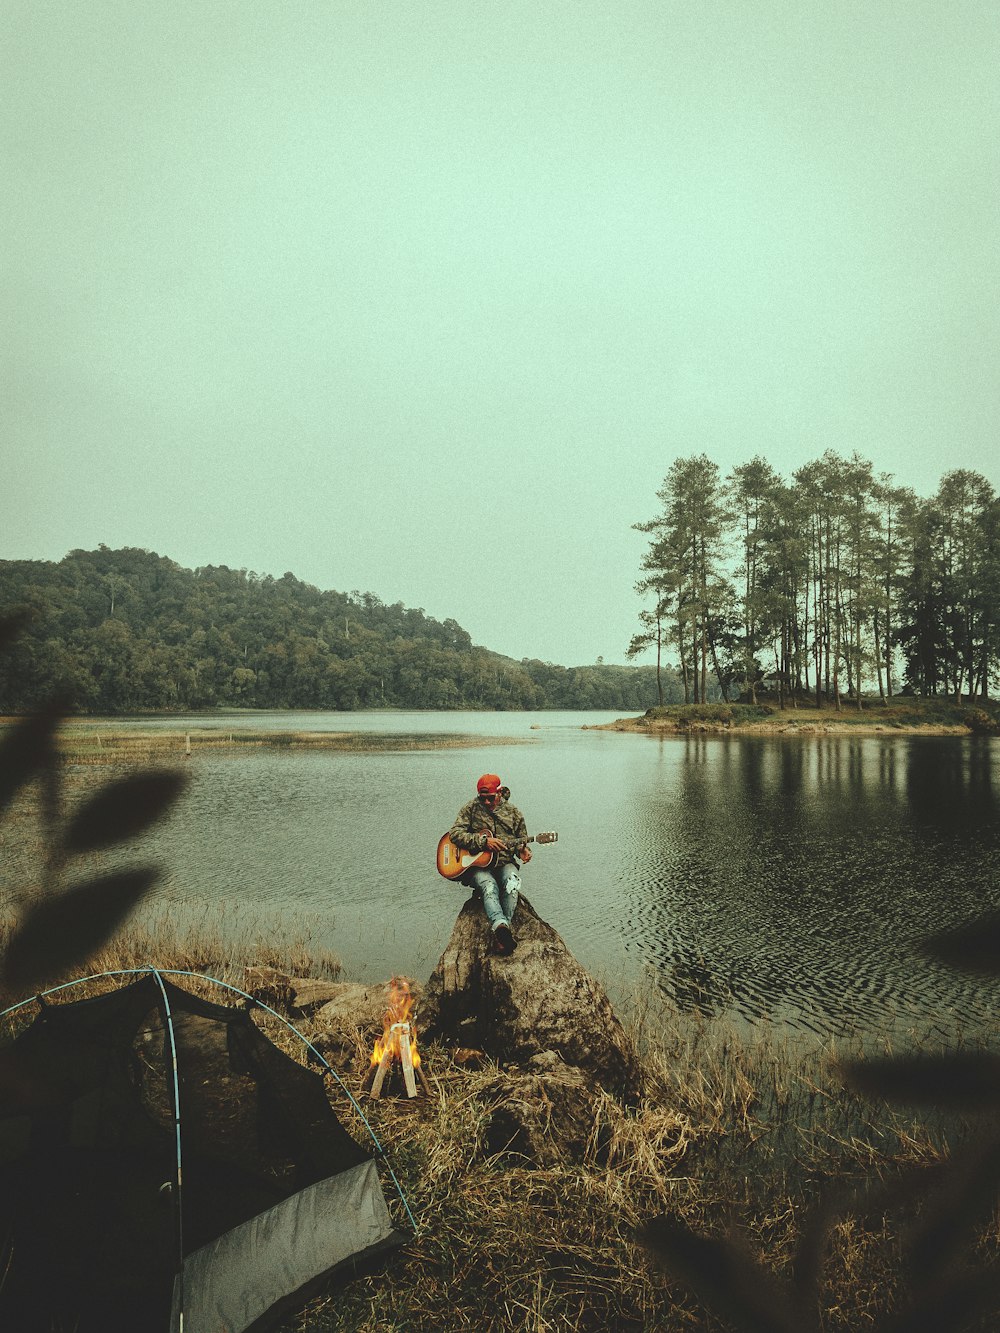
{"points": [[732, 1131], [83, 743], [220, 946], [214, 945]]}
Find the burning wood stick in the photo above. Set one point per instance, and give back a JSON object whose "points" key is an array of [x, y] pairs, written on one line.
{"points": [[380, 1073], [398, 1042], [402, 1031]]}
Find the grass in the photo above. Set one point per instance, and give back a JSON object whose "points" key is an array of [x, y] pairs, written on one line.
{"points": [[80, 743], [217, 945], [685, 715], [731, 1130]]}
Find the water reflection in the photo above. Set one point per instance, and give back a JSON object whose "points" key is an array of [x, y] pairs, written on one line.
{"points": [[781, 877], [794, 879]]}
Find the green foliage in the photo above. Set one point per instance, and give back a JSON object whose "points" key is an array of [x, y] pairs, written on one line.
{"points": [[740, 715], [131, 631], [836, 583], [983, 721]]}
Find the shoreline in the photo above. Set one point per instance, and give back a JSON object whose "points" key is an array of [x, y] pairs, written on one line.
{"points": [[81, 743], [679, 727], [101, 740], [904, 716]]}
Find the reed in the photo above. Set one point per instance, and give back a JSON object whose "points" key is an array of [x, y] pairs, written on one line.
{"points": [[83, 745], [220, 942], [735, 1131]]}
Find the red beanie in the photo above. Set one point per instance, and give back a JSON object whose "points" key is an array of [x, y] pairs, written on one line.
{"points": [[489, 782]]}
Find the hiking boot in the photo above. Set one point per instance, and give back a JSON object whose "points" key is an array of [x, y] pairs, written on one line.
{"points": [[504, 940]]}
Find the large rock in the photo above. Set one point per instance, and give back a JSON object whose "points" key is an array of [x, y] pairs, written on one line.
{"points": [[545, 1117], [536, 1000], [298, 995], [353, 1006], [308, 993], [268, 985]]}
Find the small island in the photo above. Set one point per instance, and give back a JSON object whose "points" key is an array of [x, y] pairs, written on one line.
{"points": [[903, 715]]}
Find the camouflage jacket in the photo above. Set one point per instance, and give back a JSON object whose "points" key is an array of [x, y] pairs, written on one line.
{"points": [[475, 821]]}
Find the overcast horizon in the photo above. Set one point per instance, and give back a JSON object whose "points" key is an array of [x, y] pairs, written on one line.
{"points": [[425, 303]]}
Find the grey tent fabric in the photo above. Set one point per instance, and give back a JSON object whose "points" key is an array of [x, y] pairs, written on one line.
{"points": [[275, 1192], [231, 1282]]}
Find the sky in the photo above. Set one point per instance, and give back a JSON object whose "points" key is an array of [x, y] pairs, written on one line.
{"points": [[425, 299]]}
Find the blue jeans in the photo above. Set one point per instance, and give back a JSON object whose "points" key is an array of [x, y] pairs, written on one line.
{"points": [[498, 889]]}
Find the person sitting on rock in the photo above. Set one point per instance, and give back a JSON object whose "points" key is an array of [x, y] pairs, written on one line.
{"points": [[490, 823]]}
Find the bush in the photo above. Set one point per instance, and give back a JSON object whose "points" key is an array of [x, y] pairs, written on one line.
{"points": [[982, 721], [716, 714]]}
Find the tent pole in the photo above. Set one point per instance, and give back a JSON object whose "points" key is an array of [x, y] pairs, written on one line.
{"points": [[177, 972], [79, 981], [177, 1136], [200, 976]]}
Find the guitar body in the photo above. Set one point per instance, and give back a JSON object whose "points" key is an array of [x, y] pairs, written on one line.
{"points": [[453, 862]]}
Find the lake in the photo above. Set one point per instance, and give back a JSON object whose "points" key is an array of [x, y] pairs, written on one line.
{"points": [[782, 877]]}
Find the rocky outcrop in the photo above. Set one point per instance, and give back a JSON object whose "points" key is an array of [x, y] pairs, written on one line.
{"points": [[297, 995], [268, 985], [308, 993], [545, 1116], [354, 1007], [537, 1000], [565, 1061]]}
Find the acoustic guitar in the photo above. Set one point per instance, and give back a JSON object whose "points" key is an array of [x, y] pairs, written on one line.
{"points": [[453, 862]]}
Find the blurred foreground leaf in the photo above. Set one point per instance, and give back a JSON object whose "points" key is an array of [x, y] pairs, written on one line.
{"points": [[962, 1199], [951, 1307], [122, 809], [57, 933], [723, 1275], [27, 749], [958, 1081], [974, 947]]}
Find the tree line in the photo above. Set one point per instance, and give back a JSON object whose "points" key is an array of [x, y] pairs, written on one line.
{"points": [[829, 586], [119, 631]]}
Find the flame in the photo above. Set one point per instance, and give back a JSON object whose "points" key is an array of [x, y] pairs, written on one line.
{"points": [[398, 1012]]}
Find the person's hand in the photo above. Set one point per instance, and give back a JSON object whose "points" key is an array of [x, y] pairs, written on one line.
{"points": [[494, 845], [525, 855]]}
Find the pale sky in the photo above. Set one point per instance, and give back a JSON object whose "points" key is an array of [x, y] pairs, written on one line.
{"points": [[425, 299]]}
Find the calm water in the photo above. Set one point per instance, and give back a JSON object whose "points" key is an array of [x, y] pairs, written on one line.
{"points": [[783, 876]]}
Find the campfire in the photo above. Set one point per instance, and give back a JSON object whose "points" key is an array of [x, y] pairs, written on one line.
{"points": [[396, 1049]]}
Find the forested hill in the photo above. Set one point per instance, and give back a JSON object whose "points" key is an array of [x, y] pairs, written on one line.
{"points": [[129, 630]]}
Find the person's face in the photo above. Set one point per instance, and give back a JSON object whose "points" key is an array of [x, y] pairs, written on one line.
{"points": [[490, 799]]}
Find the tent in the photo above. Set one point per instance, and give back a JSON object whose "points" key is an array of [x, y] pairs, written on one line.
{"points": [[165, 1167]]}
